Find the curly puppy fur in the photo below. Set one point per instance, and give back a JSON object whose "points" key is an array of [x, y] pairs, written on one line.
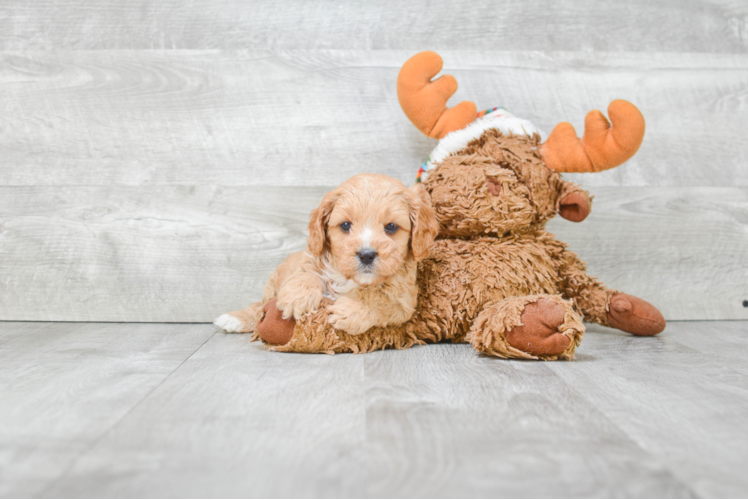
{"points": [[365, 240]]}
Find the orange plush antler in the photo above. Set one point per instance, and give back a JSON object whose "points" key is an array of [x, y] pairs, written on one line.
{"points": [[425, 102], [603, 145]]}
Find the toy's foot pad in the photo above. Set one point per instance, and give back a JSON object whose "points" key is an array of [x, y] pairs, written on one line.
{"points": [[634, 315], [538, 335], [272, 328]]}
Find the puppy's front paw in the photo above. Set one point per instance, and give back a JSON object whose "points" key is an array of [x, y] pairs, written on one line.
{"points": [[297, 303], [348, 319], [230, 323]]}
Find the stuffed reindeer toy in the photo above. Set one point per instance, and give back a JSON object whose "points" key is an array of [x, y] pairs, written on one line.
{"points": [[494, 277]]}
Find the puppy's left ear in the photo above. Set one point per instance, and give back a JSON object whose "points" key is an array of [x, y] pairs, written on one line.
{"points": [[423, 224]]}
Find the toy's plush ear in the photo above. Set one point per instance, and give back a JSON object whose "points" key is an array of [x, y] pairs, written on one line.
{"points": [[573, 203], [318, 224], [423, 224], [574, 206]]}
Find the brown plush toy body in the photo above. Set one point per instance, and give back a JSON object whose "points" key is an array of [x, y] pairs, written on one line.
{"points": [[494, 277]]}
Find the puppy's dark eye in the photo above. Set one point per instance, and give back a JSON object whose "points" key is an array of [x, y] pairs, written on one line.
{"points": [[391, 228], [345, 226]]}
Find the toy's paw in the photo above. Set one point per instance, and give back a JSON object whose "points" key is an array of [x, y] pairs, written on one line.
{"points": [[346, 318], [230, 324], [296, 302], [273, 328], [634, 315], [538, 335]]}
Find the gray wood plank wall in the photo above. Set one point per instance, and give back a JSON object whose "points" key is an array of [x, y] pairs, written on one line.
{"points": [[158, 159]]}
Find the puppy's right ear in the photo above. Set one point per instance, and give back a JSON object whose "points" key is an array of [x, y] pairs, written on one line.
{"points": [[318, 224]]}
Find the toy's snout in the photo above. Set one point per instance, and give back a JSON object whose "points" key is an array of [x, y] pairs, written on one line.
{"points": [[494, 186]]}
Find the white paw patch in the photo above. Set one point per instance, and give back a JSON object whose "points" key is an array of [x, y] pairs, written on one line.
{"points": [[228, 323]]}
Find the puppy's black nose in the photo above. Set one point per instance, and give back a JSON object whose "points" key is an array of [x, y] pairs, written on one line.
{"points": [[366, 256]]}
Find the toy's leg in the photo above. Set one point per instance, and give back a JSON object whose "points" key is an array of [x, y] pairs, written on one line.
{"points": [[313, 333], [532, 327], [604, 306], [272, 328], [243, 321], [634, 315]]}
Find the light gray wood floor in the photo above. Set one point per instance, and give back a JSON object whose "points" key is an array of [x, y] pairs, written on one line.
{"points": [[101, 409]]}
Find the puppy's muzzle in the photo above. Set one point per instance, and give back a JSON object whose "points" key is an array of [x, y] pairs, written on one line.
{"points": [[366, 256]]}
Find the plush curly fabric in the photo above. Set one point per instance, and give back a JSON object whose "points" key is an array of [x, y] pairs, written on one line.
{"points": [[491, 261], [495, 278]]}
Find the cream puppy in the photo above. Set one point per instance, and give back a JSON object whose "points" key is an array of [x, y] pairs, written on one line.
{"points": [[365, 240]]}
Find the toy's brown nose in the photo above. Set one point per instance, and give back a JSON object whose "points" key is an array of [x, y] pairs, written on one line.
{"points": [[366, 256], [493, 185]]}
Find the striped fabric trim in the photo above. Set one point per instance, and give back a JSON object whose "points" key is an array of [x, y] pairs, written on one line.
{"points": [[485, 112]]}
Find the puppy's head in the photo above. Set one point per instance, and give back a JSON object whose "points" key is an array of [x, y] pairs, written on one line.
{"points": [[371, 225]]}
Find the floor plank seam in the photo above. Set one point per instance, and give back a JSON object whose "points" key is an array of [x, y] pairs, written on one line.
{"points": [[71, 465], [628, 436]]}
